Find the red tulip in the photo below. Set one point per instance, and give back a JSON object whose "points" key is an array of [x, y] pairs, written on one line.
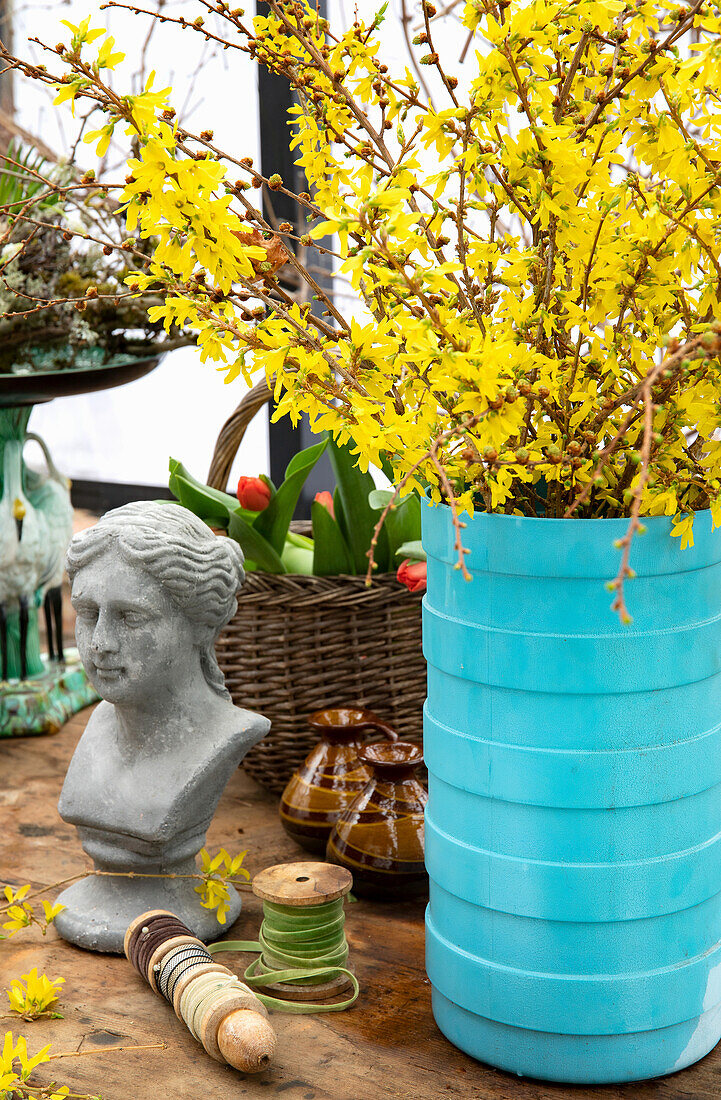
{"points": [[253, 494], [413, 575], [326, 499]]}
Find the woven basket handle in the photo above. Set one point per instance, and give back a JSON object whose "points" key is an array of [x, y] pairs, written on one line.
{"points": [[232, 432]]}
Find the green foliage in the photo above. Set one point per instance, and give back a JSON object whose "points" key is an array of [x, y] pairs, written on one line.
{"points": [[413, 550], [297, 559], [403, 521], [273, 523], [264, 537], [339, 545], [354, 488], [332, 557], [254, 546], [198, 502], [340, 514], [18, 184], [212, 505]]}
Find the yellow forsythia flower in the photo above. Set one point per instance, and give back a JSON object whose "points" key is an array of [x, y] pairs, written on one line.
{"points": [[11, 1050], [216, 871], [51, 911], [19, 913], [683, 529], [32, 996]]}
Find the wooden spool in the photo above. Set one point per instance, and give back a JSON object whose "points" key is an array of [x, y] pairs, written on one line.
{"points": [[185, 979], [160, 953], [246, 1041], [236, 1030], [236, 999], [303, 885], [139, 922]]}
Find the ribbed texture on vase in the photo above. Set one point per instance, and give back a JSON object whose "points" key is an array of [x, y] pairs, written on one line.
{"points": [[573, 830]]}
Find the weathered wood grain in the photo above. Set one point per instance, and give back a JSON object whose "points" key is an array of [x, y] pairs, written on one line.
{"points": [[316, 884], [386, 1048]]}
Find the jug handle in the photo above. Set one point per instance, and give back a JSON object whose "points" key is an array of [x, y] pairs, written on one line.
{"points": [[373, 723]]}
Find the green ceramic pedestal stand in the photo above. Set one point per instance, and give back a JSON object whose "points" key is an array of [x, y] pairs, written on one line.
{"points": [[51, 691], [44, 703]]}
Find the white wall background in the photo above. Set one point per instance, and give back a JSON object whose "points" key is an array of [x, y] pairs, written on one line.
{"points": [[127, 434]]}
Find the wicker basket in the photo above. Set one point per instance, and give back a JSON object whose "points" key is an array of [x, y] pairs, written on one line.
{"points": [[299, 644]]}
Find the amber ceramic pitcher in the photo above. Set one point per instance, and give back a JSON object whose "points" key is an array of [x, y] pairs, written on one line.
{"points": [[379, 838], [331, 776]]}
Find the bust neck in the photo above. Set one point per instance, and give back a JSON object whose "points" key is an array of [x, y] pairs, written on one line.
{"points": [[152, 726]]}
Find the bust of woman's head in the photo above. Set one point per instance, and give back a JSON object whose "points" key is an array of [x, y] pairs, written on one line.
{"points": [[152, 587]]}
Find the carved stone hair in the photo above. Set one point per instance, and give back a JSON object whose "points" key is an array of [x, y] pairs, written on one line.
{"points": [[200, 572]]}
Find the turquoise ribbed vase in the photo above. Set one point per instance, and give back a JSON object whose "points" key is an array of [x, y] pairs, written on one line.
{"points": [[573, 829]]}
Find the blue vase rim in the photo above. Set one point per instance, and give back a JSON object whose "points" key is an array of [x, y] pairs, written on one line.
{"points": [[591, 521]]}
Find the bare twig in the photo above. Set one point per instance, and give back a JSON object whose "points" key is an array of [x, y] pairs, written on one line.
{"points": [[105, 1050]]}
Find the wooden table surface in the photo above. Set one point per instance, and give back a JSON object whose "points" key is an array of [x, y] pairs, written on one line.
{"points": [[387, 1046]]}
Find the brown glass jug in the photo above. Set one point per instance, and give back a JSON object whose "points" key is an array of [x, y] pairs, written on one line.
{"points": [[331, 776], [379, 838]]}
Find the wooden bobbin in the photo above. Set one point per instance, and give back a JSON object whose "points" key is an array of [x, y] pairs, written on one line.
{"points": [[175, 963], [321, 992], [246, 1040], [185, 979], [160, 953], [138, 924], [236, 1029], [303, 885], [235, 999]]}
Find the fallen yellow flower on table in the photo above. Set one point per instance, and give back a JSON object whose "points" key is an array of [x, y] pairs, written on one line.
{"points": [[33, 998], [10, 1079]]}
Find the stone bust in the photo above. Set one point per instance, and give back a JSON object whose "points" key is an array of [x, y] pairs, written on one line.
{"points": [[152, 588]]}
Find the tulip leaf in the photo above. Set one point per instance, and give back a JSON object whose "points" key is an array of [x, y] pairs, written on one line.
{"points": [[305, 459], [195, 500], [413, 550], [380, 498], [178, 470], [403, 523], [403, 520], [354, 487], [297, 559], [253, 544], [340, 515], [303, 541], [273, 523], [331, 556]]}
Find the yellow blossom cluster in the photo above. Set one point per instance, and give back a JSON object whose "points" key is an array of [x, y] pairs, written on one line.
{"points": [[526, 242], [32, 995], [217, 872], [16, 1065], [19, 913]]}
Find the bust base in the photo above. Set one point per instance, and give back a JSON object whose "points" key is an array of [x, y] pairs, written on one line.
{"points": [[99, 909]]}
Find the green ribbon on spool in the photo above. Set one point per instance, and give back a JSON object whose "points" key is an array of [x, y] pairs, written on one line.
{"points": [[297, 945]]}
